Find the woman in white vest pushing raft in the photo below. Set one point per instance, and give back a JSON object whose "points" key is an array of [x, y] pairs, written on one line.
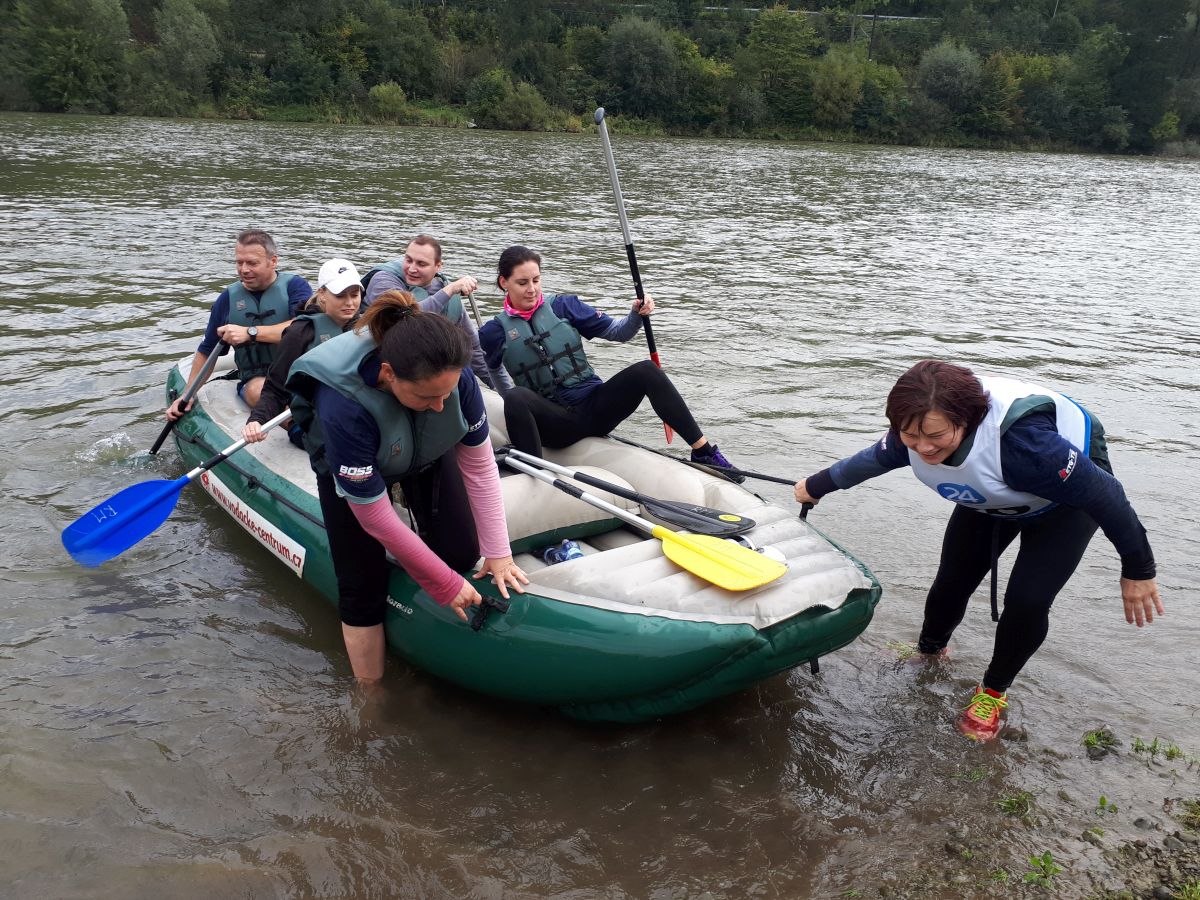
{"points": [[1017, 460]]}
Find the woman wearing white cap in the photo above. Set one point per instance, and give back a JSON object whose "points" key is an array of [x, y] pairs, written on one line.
{"points": [[332, 309]]}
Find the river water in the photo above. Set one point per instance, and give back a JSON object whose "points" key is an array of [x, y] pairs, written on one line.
{"points": [[182, 722]]}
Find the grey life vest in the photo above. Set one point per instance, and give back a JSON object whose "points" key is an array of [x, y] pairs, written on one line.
{"points": [[409, 440], [254, 359], [544, 352], [453, 310]]}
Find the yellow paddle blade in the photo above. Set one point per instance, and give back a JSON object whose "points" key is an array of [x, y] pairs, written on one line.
{"points": [[724, 563]]}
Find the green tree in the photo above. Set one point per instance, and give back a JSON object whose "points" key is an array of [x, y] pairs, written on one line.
{"points": [[74, 53], [1167, 128], [587, 47], [458, 65], [837, 87], [1155, 34], [703, 87], [1086, 80], [1042, 105], [1020, 28], [245, 93], [387, 103], [399, 46], [525, 109], [1063, 33], [13, 91], [777, 61], [997, 113], [495, 102], [1185, 99], [883, 102], [188, 45], [642, 68], [951, 75]]}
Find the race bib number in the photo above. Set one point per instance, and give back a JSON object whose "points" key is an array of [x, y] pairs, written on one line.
{"points": [[960, 493]]}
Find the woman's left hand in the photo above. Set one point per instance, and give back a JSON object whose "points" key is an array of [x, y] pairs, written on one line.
{"points": [[645, 306], [1141, 601], [504, 573]]}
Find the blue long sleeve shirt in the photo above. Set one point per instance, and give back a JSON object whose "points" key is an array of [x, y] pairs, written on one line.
{"points": [[1032, 457]]}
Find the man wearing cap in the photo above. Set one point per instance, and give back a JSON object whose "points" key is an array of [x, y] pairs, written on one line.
{"points": [[250, 315], [334, 309], [419, 272]]}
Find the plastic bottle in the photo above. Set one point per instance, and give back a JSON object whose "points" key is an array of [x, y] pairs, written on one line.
{"points": [[557, 553]]}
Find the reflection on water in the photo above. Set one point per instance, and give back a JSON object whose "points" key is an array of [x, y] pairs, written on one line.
{"points": [[183, 717]]}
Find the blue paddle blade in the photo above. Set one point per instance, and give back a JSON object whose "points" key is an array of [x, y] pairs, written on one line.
{"points": [[121, 521]]}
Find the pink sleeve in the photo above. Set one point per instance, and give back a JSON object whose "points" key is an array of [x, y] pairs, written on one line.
{"points": [[482, 480], [380, 521]]}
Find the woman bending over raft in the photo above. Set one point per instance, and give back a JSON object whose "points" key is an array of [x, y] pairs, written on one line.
{"points": [[330, 311], [1019, 460], [387, 403], [558, 398]]}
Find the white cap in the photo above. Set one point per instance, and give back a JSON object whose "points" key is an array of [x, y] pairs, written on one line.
{"points": [[336, 275]]}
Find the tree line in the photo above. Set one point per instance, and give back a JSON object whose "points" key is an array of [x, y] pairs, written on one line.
{"points": [[1110, 75]]}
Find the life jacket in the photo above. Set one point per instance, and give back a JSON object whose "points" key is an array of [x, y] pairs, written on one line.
{"points": [[453, 310], [324, 328], [544, 353], [409, 440], [978, 481], [254, 359]]}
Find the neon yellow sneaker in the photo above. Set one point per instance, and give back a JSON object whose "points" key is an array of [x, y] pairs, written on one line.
{"points": [[980, 721]]}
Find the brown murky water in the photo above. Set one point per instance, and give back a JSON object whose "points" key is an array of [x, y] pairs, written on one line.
{"points": [[181, 722]]}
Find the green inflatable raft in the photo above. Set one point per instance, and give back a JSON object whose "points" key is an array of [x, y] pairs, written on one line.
{"points": [[621, 634]]}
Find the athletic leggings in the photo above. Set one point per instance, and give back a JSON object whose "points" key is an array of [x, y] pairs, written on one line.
{"points": [[436, 498], [1052, 545], [534, 421]]}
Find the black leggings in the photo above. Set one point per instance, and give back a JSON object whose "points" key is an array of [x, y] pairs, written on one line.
{"points": [[534, 421], [436, 498], [1052, 545]]}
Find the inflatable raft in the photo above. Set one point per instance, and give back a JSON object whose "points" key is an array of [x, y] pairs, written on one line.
{"points": [[620, 634]]}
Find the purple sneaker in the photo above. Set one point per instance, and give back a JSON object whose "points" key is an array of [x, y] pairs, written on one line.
{"points": [[711, 455]]}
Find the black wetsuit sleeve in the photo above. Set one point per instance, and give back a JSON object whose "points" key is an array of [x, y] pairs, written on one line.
{"points": [[881, 457], [275, 395], [1036, 459]]}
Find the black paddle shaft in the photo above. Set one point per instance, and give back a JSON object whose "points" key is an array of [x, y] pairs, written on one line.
{"points": [[201, 377], [700, 519], [641, 295]]}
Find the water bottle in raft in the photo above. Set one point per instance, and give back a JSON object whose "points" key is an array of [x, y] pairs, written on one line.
{"points": [[557, 553]]}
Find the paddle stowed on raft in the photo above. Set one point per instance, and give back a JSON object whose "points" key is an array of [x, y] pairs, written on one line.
{"points": [[722, 471], [696, 519], [723, 563], [121, 521], [629, 252]]}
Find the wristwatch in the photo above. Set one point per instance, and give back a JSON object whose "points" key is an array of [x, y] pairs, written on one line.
{"points": [[252, 333]]}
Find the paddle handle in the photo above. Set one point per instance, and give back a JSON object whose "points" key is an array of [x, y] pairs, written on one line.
{"points": [[579, 494], [235, 447], [578, 476], [475, 309], [201, 377], [651, 346]]}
